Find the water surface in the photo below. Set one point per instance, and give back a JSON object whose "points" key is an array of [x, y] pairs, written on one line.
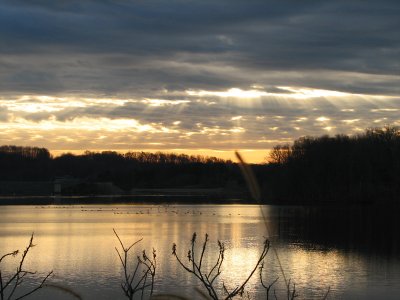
{"points": [[354, 253]]}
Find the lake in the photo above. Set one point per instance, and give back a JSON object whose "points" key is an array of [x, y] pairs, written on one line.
{"points": [[353, 252]]}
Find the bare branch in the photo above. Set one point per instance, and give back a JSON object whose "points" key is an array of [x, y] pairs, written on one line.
{"points": [[133, 282], [209, 278], [38, 287], [17, 278], [326, 294], [267, 287]]}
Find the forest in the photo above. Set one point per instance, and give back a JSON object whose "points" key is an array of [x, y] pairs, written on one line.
{"points": [[126, 171], [363, 168]]}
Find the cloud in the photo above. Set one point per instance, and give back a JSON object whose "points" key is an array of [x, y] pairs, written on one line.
{"points": [[110, 47], [189, 69], [3, 114], [193, 123]]}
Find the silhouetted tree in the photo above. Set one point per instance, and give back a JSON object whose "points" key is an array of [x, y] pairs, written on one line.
{"points": [[127, 171], [360, 168]]}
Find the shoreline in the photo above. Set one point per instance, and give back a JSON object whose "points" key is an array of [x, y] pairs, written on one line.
{"points": [[139, 196], [172, 199]]}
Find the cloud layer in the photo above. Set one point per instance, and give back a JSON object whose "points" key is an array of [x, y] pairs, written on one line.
{"points": [[195, 74]]}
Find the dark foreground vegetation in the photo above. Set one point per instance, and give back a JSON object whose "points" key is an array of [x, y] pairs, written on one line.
{"points": [[9, 283], [139, 275], [342, 169]]}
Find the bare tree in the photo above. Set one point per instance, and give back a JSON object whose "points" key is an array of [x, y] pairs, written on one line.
{"points": [[279, 154]]}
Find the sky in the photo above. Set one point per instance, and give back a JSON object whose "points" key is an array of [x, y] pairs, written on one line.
{"points": [[198, 77]]}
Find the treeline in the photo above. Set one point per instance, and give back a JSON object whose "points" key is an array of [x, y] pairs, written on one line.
{"points": [[127, 171], [364, 168], [343, 169]]}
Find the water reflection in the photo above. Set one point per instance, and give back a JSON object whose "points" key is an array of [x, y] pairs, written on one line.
{"points": [[350, 252], [370, 230]]}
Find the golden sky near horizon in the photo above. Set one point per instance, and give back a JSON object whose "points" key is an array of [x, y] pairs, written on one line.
{"points": [[233, 120]]}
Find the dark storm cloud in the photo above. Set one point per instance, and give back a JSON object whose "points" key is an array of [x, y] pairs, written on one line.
{"points": [[140, 47]]}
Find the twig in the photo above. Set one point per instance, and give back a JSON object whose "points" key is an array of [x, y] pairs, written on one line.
{"points": [[267, 287], [208, 278], [291, 293], [17, 278], [240, 289], [326, 294], [133, 282]]}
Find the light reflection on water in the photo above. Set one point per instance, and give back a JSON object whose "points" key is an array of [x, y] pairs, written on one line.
{"points": [[78, 244]]}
